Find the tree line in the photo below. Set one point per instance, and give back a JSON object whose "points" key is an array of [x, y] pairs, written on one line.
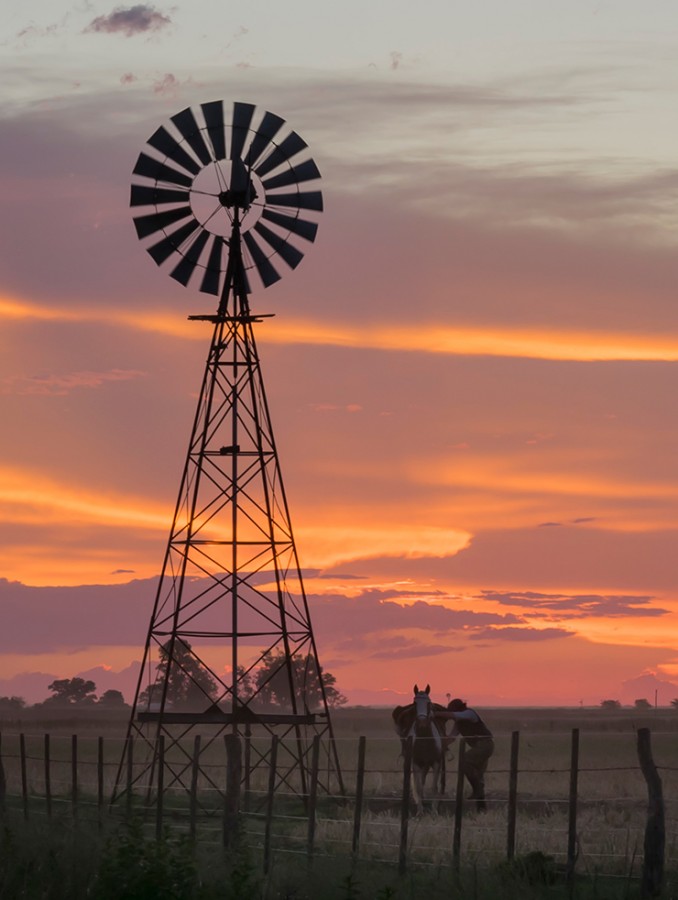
{"points": [[641, 704], [190, 684]]}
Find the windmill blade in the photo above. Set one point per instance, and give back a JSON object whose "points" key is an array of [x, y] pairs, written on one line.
{"points": [[189, 128], [211, 278], [153, 168], [153, 222], [214, 119], [300, 200], [292, 145], [172, 242], [263, 265], [305, 171], [141, 195], [287, 251], [163, 141], [270, 126], [304, 229], [184, 269], [240, 124]]}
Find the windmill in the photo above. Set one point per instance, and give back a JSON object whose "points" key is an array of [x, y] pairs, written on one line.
{"points": [[221, 199]]}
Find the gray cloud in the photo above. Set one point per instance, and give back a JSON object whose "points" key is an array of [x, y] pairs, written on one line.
{"points": [[523, 633], [579, 606], [44, 619], [130, 20]]}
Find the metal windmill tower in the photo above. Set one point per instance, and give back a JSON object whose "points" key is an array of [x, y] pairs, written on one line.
{"points": [[230, 646]]}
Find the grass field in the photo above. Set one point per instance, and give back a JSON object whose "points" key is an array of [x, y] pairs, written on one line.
{"points": [[610, 826]]}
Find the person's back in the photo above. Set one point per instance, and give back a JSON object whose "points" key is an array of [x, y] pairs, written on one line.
{"points": [[479, 746]]}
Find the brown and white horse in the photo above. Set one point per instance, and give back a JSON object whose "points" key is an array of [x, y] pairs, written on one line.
{"points": [[418, 721]]}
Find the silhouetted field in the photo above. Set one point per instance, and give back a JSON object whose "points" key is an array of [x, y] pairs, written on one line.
{"points": [[611, 818]]}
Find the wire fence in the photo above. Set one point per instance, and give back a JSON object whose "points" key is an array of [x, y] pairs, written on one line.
{"points": [[580, 801]]}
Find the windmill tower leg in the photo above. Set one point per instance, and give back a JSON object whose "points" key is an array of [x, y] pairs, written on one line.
{"points": [[230, 642]]}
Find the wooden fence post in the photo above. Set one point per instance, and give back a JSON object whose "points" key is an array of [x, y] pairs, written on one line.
{"points": [[359, 788], [512, 796], [161, 787], [129, 797], [193, 799], [233, 780], [100, 781], [48, 778], [74, 775], [3, 782], [458, 809], [313, 796], [248, 766], [273, 761], [572, 809], [652, 877], [405, 807], [24, 774]]}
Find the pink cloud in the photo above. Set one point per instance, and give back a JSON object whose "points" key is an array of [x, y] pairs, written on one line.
{"points": [[62, 385]]}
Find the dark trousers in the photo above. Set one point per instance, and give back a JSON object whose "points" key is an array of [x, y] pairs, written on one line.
{"points": [[476, 757]]}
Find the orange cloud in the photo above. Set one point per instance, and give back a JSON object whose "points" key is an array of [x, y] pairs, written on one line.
{"points": [[26, 496], [529, 343], [325, 545]]}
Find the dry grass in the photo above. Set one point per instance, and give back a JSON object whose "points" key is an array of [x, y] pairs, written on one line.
{"points": [[612, 792]]}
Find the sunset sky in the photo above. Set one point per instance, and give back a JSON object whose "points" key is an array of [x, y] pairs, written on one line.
{"points": [[472, 374]]}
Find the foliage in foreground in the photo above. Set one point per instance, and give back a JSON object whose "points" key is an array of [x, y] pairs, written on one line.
{"points": [[70, 863]]}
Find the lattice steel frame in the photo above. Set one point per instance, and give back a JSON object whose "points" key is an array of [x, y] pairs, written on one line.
{"points": [[231, 536]]}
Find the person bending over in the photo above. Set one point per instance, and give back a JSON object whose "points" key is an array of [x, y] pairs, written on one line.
{"points": [[479, 746]]}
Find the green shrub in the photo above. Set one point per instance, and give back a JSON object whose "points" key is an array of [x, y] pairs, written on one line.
{"points": [[137, 868]]}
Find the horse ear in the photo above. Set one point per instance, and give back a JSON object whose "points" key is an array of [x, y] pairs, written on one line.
{"points": [[428, 689], [415, 690]]}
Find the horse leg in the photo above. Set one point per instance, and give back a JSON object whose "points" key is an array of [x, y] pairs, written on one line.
{"points": [[437, 787], [418, 789]]}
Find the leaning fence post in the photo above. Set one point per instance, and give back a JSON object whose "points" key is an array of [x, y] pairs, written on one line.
{"points": [[458, 808], [269, 802], [652, 876], [233, 779], [359, 787], [513, 796], [572, 808], [24, 774], [405, 807]]}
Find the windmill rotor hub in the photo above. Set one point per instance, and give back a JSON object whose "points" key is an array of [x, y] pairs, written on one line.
{"points": [[238, 199]]}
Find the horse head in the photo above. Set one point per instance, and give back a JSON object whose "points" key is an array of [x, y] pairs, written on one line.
{"points": [[423, 708]]}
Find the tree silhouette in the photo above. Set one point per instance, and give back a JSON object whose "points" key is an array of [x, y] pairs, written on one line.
{"points": [[72, 692], [643, 703], [273, 683], [12, 704], [610, 704], [112, 699], [190, 685]]}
